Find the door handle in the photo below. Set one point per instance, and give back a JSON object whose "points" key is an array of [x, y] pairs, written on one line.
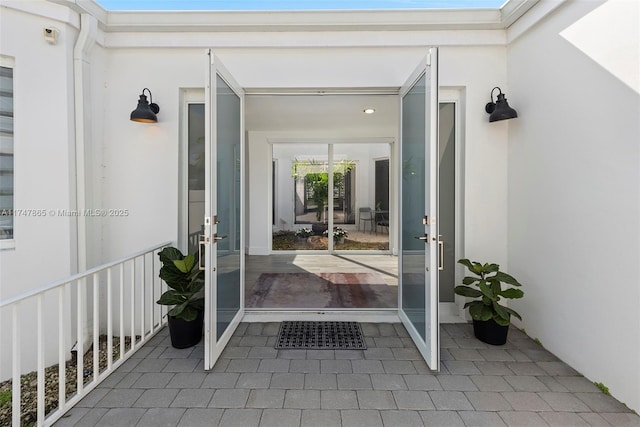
{"points": [[217, 238], [441, 255], [424, 238], [202, 240]]}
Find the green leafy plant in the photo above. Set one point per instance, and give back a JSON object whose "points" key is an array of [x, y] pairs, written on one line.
{"points": [[488, 280], [338, 233], [186, 280], [603, 388], [304, 232]]}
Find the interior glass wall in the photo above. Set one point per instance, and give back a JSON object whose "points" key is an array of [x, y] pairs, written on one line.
{"points": [[447, 202]]}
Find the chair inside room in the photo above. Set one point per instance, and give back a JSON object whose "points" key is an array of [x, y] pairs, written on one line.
{"points": [[382, 221], [365, 215]]}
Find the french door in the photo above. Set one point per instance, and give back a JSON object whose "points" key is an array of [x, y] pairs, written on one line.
{"points": [[221, 245], [419, 240]]}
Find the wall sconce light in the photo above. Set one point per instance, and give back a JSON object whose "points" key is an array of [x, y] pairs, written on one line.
{"points": [[145, 112], [500, 109]]}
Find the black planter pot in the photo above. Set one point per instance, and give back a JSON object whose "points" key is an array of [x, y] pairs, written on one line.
{"points": [[185, 334], [318, 228], [490, 332]]}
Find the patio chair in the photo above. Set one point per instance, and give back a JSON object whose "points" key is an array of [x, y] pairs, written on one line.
{"points": [[382, 221], [366, 215]]}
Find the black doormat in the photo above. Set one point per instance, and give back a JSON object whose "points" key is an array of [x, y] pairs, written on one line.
{"points": [[321, 336]]}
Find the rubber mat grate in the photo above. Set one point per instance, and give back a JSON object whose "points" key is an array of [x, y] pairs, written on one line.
{"points": [[321, 336]]}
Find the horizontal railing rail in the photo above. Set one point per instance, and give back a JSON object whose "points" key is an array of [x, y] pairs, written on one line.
{"points": [[129, 286]]}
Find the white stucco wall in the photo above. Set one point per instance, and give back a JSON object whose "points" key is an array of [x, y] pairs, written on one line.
{"points": [[574, 188], [43, 249]]}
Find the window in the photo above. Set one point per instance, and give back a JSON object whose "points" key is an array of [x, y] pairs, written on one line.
{"points": [[6, 150]]}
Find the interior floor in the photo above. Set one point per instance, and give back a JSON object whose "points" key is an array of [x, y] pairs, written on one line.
{"points": [[289, 281]]}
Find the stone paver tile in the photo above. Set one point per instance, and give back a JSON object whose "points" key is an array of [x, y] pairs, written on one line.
{"points": [[161, 417], [129, 365], [448, 343], [274, 365], [221, 365], [461, 367], [280, 418], [563, 419], [305, 366], [488, 401], [240, 418], [119, 398], [526, 401], [151, 365], [374, 399], [525, 383], [354, 382], [406, 353], [388, 382], [220, 380], [413, 400], [522, 419], [564, 402], [321, 381], [493, 368], [378, 354], [265, 399], [338, 399], [243, 365], [176, 353], [121, 417], [271, 329], [144, 352], [254, 329], [370, 329], [349, 354], [367, 366], [491, 383], [128, 380], [241, 329], [441, 418], [75, 414], [600, 402], [198, 417], [401, 418], [302, 399], [321, 418], [253, 341], [192, 398], [367, 418], [112, 380], [450, 401], [235, 352], [481, 419], [187, 380], [445, 354], [387, 330], [466, 354], [263, 353], [287, 381], [156, 398], [539, 355], [525, 368], [229, 398], [399, 367], [401, 331], [594, 419], [335, 366], [388, 342], [254, 380], [457, 383], [369, 342], [292, 354], [496, 355], [422, 382], [90, 400], [551, 383], [153, 380], [557, 368], [518, 355], [578, 384], [470, 343], [421, 367], [321, 354], [622, 419]]}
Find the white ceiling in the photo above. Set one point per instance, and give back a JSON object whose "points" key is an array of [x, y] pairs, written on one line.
{"points": [[320, 112]]}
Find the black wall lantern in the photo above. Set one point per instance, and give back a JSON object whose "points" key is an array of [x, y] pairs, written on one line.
{"points": [[500, 109], [145, 112]]}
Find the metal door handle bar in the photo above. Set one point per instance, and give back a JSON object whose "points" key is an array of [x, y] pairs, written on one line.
{"points": [[216, 238], [202, 240], [423, 238], [441, 255]]}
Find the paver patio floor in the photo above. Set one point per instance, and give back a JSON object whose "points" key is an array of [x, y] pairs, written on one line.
{"points": [[253, 384]]}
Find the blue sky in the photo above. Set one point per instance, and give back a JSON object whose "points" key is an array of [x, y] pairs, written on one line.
{"points": [[295, 4]]}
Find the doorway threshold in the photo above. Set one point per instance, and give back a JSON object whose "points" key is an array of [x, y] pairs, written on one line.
{"points": [[367, 316]]}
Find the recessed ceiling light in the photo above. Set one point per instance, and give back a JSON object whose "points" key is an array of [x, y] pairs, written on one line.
{"points": [[369, 110]]}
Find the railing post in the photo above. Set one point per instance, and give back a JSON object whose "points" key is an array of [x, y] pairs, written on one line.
{"points": [[96, 326], [62, 371], [40, 347], [15, 378], [121, 310], [109, 321]]}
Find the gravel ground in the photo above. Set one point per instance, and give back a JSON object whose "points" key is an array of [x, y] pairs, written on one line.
{"points": [[29, 384]]}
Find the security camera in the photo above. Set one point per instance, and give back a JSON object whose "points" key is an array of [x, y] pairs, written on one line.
{"points": [[50, 35]]}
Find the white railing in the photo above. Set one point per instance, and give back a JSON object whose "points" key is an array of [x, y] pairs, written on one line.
{"points": [[132, 282]]}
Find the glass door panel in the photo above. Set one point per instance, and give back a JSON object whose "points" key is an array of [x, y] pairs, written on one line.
{"points": [[418, 306]]}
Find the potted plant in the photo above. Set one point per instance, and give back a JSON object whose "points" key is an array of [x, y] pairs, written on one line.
{"points": [[182, 275], [338, 234], [303, 233], [490, 319]]}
